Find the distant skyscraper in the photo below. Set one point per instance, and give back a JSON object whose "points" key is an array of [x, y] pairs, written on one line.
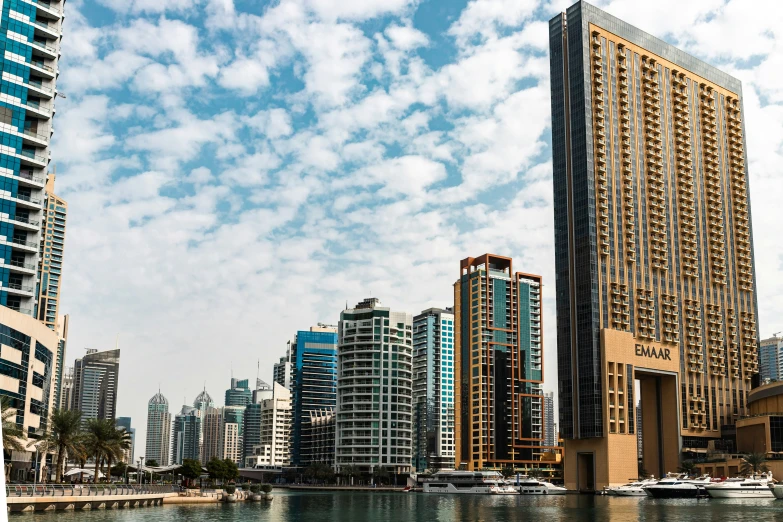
{"points": [[433, 389], [51, 255], [653, 248], [771, 358], [125, 422], [158, 430], [95, 378], [239, 394], [314, 384], [232, 430], [186, 435], [251, 430], [61, 329], [273, 447], [283, 370], [202, 403], [499, 369], [211, 433], [550, 433], [374, 388], [66, 390]]}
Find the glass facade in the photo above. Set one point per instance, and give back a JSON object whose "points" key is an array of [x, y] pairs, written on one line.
{"points": [[239, 394]]}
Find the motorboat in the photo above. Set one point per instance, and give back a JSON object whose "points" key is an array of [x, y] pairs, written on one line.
{"points": [[776, 489], [632, 489], [531, 486], [757, 486], [503, 489], [475, 482], [679, 486]]}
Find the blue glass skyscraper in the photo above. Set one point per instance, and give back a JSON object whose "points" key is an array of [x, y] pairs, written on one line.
{"points": [[314, 384], [30, 32]]}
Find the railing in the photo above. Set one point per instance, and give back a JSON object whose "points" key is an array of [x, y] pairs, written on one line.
{"points": [[42, 45], [44, 25], [32, 155], [34, 134], [27, 198], [88, 490], [17, 286], [40, 86], [41, 65], [45, 5], [26, 311]]}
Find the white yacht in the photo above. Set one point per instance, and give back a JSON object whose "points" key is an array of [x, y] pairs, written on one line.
{"points": [[531, 486], [776, 489], [476, 482], [757, 486], [503, 489], [679, 486], [632, 489]]}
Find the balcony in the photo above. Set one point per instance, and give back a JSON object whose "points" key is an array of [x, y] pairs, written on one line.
{"points": [[18, 289], [46, 8], [26, 201], [42, 68], [19, 266], [45, 29]]}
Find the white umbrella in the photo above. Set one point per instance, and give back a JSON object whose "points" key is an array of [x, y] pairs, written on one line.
{"points": [[76, 471]]}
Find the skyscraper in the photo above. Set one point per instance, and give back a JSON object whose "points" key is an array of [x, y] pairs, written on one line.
{"points": [[550, 435], [158, 430], [653, 252], [32, 45], [125, 422], [61, 328], [212, 429], [232, 428], [239, 394], [770, 358], [202, 403], [433, 389], [374, 388], [251, 429], [499, 368], [51, 255], [318, 437], [186, 435], [95, 378], [271, 447], [66, 390], [314, 383], [282, 371]]}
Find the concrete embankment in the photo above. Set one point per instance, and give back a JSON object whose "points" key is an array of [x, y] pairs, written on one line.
{"points": [[84, 502]]}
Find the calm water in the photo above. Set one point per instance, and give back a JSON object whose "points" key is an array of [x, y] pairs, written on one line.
{"points": [[383, 507]]}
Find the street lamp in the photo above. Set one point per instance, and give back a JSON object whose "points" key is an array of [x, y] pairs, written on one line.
{"points": [[141, 463], [35, 469]]}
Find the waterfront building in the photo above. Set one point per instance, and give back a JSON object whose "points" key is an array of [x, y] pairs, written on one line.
{"points": [[32, 49], [158, 441], [66, 390], [50, 256], [202, 402], [314, 383], [318, 437], [771, 359], [550, 431], [282, 371], [186, 435], [374, 388], [231, 446], [272, 448], [212, 425], [61, 329], [125, 423], [653, 251], [95, 379], [499, 370], [433, 389], [28, 357], [239, 394]]}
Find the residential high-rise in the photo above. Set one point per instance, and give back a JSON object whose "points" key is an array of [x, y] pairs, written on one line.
{"points": [[50, 258], [212, 431], [550, 433], [314, 383], [30, 63], [186, 435], [125, 423], [251, 430], [433, 389], [231, 433], [282, 371], [95, 378], [653, 251], [158, 443], [374, 388], [61, 329], [66, 390], [318, 437], [272, 448], [771, 358], [499, 366], [239, 394], [202, 403]]}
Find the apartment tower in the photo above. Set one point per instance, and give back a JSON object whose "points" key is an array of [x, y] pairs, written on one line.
{"points": [[158, 442], [499, 366], [653, 251], [95, 380], [50, 256], [770, 358]]}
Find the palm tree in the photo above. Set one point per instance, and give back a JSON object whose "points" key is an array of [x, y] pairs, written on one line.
{"points": [[688, 467], [13, 434], [102, 442], [753, 463], [121, 441], [62, 437]]}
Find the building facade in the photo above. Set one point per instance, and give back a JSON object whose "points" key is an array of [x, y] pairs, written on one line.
{"points": [[186, 435], [318, 437], [654, 261], [212, 428], [374, 388], [314, 382], [66, 390], [50, 256], [125, 423], [231, 444], [273, 449], [771, 359], [499, 371], [282, 371], [158, 442], [31, 40], [550, 432], [239, 394], [61, 328], [95, 379], [433, 389]]}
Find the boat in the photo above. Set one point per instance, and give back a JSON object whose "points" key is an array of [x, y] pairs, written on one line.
{"points": [[679, 486], [776, 489], [531, 486], [475, 482], [757, 486], [632, 489], [503, 489]]}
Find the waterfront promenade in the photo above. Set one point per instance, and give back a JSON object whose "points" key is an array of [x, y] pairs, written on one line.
{"points": [[55, 497]]}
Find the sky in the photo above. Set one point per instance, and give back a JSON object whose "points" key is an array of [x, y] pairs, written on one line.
{"points": [[238, 170]]}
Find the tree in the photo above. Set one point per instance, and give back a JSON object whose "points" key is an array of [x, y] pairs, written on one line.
{"points": [[121, 441], [380, 474], [508, 471], [151, 463], [104, 442], [754, 463], [688, 467], [319, 472], [350, 471], [119, 469], [216, 468], [191, 470], [231, 472], [63, 436], [13, 434]]}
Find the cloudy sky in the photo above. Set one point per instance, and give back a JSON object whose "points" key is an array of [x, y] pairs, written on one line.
{"points": [[239, 169]]}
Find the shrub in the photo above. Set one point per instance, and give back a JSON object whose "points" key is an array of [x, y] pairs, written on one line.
{"points": [[266, 488], [231, 489], [255, 488]]}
